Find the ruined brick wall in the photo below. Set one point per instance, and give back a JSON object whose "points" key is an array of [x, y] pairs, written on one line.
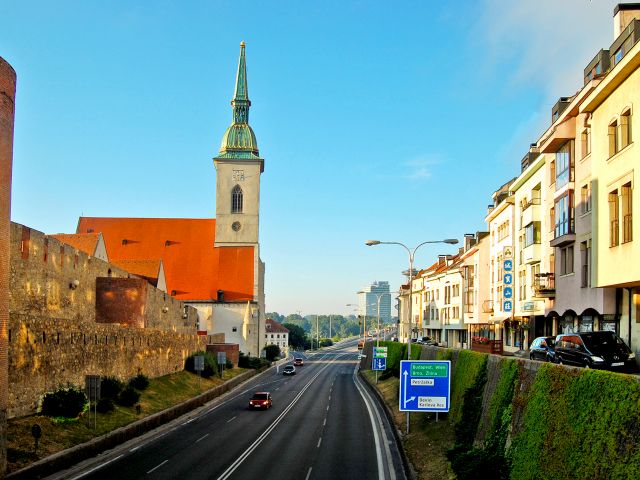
{"points": [[45, 353], [121, 300], [7, 114], [231, 349]]}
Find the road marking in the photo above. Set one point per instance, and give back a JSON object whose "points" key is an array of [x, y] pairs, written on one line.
{"points": [[203, 437], [157, 467], [329, 397], [96, 468], [233, 418], [189, 421], [324, 424], [135, 448], [308, 473], [319, 442], [327, 408], [244, 455]]}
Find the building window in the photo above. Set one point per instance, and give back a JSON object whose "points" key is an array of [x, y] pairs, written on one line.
{"points": [[563, 211], [522, 284], [236, 199], [585, 263], [585, 195], [566, 260], [563, 165], [627, 211], [625, 128], [532, 234], [586, 141], [614, 239], [535, 273], [613, 138]]}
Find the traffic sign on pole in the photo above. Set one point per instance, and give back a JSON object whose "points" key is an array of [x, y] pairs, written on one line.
{"points": [[380, 352], [425, 385], [379, 363]]}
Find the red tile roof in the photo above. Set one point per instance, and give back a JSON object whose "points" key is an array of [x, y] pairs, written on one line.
{"points": [[272, 326], [85, 242], [193, 268]]}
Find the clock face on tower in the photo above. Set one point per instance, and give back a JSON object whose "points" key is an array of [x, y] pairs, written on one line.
{"points": [[236, 226]]}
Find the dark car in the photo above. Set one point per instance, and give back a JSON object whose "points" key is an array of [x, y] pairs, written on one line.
{"points": [[543, 349], [261, 400], [298, 362], [289, 370], [604, 350]]}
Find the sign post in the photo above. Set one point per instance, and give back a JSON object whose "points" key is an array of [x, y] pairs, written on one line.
{"points": [[379, 360], [92, 390], [425, 385], [198, 366]]}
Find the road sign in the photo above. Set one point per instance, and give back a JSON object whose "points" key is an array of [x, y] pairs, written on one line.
{"points": [[379, 364], [380, 352], [508, 265], [507, 306], [507, 292], [198, 363], [507, 279], [507, 252], [425, 385]]}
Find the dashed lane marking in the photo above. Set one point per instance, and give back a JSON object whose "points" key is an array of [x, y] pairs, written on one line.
{"points": [[157, 467]]}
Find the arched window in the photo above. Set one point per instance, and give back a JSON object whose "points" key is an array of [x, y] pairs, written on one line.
{"points": [[236, 200]]}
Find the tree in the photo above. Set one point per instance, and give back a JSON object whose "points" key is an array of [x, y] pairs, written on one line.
{"points": [[297, 336], [272, 352]]}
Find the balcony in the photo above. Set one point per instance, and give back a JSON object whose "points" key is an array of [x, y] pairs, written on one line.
{"points": [[544, 285], [484, 345], [563, 234], [531, 253], [487, 306], [531, 211]]}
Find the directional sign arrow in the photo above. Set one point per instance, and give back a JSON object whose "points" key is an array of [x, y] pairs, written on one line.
{"points": [[406, 400]]}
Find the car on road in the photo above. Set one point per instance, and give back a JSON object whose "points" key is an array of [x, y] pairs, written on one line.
{"points": [[603, 350], [261, 400], [543, 349], [289, 370], [298, 362]]}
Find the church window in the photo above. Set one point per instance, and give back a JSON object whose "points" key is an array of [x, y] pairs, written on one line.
{"points": [[236, 200]]}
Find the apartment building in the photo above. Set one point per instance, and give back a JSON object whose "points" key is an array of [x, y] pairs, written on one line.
{"points": [[475, 286], [609, 108]]}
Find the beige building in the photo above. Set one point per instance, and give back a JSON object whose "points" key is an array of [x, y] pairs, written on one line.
{"points": [[611, 131]]}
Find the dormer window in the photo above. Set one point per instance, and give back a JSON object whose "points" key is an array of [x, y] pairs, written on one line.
{"points": [[236, 199]]}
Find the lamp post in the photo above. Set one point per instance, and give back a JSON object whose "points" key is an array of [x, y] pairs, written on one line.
{"points": [[412, 253]]}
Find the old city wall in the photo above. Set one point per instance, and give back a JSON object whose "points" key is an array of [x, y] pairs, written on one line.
{"points": [[47, 352], [54, 339]]}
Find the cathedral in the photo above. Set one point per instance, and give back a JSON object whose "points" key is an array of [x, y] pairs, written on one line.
{"points": [[211, 264]]}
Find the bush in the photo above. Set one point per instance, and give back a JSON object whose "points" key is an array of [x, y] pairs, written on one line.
{"points": [[272, 352], [139, 382], [228, 364], [110, 387], [326, 342], [128, 397], [246, 361], [105, 405], [210, 364], [64, 402]]}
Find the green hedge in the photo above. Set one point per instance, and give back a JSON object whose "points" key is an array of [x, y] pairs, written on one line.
{"points": [[467, 368], [579, 424]]}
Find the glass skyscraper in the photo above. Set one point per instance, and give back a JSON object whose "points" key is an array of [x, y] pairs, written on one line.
{"points": [[368, 301]]}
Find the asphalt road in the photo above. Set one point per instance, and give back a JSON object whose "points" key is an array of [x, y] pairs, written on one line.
{"points": [[324, 423]]}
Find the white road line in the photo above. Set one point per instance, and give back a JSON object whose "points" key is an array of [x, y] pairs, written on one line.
{"points": [[308, 473], [319, 442], [233, 418], [329, 397], [135, 448], [202, 437], [327, 408], [189, 421], [324, 424], [96, 468], [157, 467]]}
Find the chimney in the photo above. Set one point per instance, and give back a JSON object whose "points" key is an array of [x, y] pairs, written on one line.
{"points": [[442, 259], [623, 14], [469, 241]]}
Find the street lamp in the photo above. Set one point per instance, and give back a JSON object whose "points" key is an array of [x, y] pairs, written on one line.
{"points": [[412, 253]]}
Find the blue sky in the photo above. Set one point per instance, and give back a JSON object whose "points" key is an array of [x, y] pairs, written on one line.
{"points": [[376, 119]]}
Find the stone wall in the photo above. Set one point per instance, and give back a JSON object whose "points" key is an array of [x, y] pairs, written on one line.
{"points": [[231, 350], [7, 112], [45, 353]]}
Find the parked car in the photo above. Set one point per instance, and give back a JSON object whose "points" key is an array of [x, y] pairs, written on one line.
{"points": [[543, 349], [298, 362], [261, 400], [604, 350], [289, 370]]}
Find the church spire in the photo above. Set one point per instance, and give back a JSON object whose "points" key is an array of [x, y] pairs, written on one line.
{"points": [[239, 141]]}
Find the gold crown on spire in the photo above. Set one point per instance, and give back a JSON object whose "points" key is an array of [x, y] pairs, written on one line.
{"points": [[242, 43]]}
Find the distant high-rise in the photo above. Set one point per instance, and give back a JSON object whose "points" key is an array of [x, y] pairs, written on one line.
{"points": [[368, 301]]}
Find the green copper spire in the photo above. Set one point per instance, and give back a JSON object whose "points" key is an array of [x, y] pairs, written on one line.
{"points": [[239, 141]]}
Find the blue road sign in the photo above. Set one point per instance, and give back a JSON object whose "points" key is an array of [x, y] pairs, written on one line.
{"points": [[508, 265], [507, 292], [425, 385], [379, 363], [508, 306], [507, 279]]}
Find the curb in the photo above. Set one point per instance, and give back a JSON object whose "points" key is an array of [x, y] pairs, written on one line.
{"points": [[71, 456], [409, 471]]}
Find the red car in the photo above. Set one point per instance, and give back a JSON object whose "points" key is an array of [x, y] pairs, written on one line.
{"points": [[298, 361], [260, 400]]}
